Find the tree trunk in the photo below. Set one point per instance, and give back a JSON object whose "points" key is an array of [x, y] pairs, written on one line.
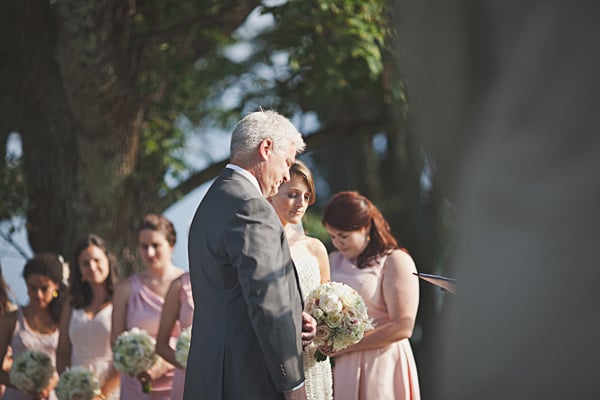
{"points": [[79, 121]]}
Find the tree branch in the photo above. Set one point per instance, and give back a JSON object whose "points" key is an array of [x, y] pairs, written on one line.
{"points": [[9, 239], [314, 140]]}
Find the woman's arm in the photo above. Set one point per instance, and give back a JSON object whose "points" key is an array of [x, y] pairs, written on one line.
{"points": [[168, 318], [401, 295], [63, 350], [7, 328], [111, 383], [119, 314]]}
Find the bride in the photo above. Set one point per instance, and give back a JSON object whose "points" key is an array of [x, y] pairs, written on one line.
{"points": [[311, 260]]}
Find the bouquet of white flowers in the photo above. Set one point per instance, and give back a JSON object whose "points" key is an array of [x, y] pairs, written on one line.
{"points": [[133, 353], [77, 383], [31, 371], [341, 316], [182, 348]]}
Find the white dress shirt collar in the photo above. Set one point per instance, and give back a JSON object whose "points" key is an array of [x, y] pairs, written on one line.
{"points": [[247, 174]]}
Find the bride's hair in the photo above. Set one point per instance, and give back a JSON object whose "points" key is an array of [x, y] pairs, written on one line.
{"points": [[300, 169]]}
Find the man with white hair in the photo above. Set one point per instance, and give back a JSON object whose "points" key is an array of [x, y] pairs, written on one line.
{"points": [[247, 334]]}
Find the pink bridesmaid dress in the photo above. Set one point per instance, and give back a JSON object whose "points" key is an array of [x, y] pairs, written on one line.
{"points": [[143, 311], [186, 314], [388, 373], [24, 339]]}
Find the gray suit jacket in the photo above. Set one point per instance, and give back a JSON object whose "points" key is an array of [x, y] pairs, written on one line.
{"points": [[246, 336]]}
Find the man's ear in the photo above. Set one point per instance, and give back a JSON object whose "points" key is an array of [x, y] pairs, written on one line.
{"points": [[265, 148]]}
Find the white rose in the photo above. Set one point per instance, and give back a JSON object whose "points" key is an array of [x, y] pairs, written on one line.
{"points": [[333, 320], [318, 314], [330, 303]]}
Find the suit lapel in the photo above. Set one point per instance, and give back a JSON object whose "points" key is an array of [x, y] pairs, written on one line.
{"points": [[298, 284]]}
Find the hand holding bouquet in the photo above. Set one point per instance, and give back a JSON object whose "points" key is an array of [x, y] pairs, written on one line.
{"points": [[77, 383], [182, 348], [133, 353], [32, 371], [341, 316]]}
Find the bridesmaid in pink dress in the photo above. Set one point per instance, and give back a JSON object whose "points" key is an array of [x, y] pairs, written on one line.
{"points": [[86, 318], [138, 302], [179, 306], [35, 326], [6, 306], [381, 366]]}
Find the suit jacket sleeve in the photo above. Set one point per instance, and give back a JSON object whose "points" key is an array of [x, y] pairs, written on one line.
{"points": [[260, 254]]}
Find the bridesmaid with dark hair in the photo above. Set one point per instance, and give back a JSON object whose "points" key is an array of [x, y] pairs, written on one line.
{"points": [[139, 301], [369, 259], [35, 326], [86, 318]]}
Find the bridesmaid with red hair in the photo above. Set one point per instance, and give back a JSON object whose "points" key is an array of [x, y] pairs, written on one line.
{"points": [[368, 258]]}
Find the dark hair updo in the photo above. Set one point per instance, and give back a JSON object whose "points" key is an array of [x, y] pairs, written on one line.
{"points": [[50, 266]]}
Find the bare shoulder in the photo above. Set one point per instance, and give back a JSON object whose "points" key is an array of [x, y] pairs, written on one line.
{"points": [[315, 246], [176, 283], [177, 273], [400, 261]]}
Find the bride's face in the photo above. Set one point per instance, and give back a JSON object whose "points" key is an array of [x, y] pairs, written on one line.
{"points": [[292, 200]]}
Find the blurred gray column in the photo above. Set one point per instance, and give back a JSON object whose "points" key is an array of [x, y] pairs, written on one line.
{"points": [[507, 95]]}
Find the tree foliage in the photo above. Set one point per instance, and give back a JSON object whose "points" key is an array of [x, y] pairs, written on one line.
{"points": [[97, 90], [100, 90]]}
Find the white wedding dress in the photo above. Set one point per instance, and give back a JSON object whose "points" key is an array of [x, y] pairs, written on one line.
{"points": [[318, 374]]}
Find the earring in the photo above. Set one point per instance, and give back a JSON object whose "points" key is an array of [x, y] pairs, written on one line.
{"points": [[55, 294]]}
